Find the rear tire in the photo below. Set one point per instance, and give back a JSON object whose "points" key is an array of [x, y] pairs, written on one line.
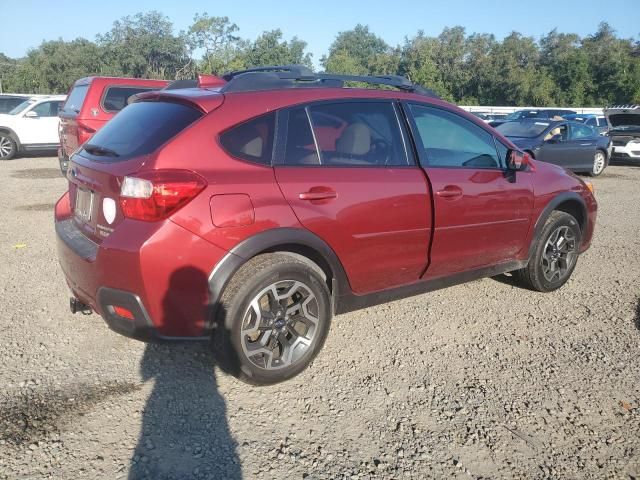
{"points": [[8, 147], [555, 254], [599, 163], [273, 319]]}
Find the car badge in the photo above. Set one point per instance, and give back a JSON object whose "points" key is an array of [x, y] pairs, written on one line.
{"points": [[94, 112]]}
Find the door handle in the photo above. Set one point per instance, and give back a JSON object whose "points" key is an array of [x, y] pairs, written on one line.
{"points": [[450, 192], [317, 194]]}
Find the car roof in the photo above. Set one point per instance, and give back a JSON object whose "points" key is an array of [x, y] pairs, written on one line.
{"points": [[120, 80]]}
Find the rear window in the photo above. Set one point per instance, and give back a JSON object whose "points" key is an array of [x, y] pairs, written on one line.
{"points": [[139, 129], [115, 98], [76, 99]]}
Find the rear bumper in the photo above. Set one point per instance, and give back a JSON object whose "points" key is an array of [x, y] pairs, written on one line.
{"points": [[158, 272]]}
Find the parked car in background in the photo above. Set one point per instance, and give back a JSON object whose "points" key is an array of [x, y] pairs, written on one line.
{"points": [[624, 131], [30, 126], [597, 122], [488, 117], [9, 101], [92, 102], [572, 145], [257, 206], [543, 113]]}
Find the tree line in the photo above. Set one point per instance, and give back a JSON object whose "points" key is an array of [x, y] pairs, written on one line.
{"points": [[471, 69]]}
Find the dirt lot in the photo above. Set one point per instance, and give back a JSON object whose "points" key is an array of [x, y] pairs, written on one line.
{"points": [[483, 380]]}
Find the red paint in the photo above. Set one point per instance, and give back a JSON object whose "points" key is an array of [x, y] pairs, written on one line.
{"points": [[232, 210], [384, 223]]}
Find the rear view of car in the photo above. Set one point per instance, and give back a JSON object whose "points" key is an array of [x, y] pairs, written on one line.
{"points": [[624, 131], [92, 102]]}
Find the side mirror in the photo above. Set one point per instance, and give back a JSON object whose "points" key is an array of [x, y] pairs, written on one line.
{"points": [[554, 139], [31, 114], [519, 161]]}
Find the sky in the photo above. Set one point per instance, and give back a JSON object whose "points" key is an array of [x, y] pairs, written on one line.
{"points": [[315, 22]]}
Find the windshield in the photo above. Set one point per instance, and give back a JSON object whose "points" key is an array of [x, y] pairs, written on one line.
{"points": [[139, 129], [20, 107], [522, 129]]}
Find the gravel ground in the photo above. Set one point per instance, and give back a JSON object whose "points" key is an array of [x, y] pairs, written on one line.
{"points": [[483, 380]]}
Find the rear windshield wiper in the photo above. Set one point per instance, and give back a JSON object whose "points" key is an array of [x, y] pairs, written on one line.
{"points": [[100, 151]]}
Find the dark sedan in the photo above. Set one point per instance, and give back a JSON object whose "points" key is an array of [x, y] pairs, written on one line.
{"points": [[572, 145]]}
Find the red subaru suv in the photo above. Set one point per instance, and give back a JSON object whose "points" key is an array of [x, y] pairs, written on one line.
{"points": [[253, 207]]}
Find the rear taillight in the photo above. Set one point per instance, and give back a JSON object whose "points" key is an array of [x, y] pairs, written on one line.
{"points": [[154, 195], [84, 133]]}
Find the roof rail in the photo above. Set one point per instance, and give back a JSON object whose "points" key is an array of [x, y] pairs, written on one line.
{"points": [[299, 76]]}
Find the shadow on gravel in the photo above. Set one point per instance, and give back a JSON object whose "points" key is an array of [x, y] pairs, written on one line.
{"points": [[636, 320], [184, 431]]}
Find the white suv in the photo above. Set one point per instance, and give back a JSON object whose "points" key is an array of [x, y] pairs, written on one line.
{"points": [[31, 126]]}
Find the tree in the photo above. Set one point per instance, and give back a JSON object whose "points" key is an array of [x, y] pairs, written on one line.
{"points": [[144, 46], [215, 35], [270, 49], [55, 65], [360, 52]]}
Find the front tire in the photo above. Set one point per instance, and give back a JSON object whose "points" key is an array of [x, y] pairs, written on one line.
{"points": [[555, 254], [8, 147], [276, 313], [599, 163]]}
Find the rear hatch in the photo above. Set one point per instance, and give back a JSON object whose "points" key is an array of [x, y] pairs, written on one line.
{"points": [[120, 149], [70, 130], [625, 123]]}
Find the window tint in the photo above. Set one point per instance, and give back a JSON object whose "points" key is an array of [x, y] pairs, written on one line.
{"points": [[358, 134], [449, 140], [602, 122], [115, 99], [76, 99], [591, 122], [140, 129], [47, 109], [300, 147], [581, 131], [252, 140]]}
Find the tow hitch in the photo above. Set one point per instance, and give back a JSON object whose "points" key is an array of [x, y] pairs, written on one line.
{"points": [[77, 306]]}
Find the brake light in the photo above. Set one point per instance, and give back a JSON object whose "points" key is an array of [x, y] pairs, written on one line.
{"points": [[155, 195], [84, 133]]}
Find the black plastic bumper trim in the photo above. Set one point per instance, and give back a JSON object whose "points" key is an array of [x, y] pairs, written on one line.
{"points": [[75, 240]]}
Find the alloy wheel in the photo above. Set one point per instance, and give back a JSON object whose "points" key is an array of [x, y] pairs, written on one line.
{"points": [[599, 162], [280, 324], [560, 253], [6, 147]]}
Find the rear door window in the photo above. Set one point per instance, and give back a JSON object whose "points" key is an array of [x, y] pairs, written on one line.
{"points": [[139, 129], [76, 99], [580, 131], [115, 98], [358, 134]]}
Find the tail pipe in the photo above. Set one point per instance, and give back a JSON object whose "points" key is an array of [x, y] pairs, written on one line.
{"points": [[77, 306]]}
